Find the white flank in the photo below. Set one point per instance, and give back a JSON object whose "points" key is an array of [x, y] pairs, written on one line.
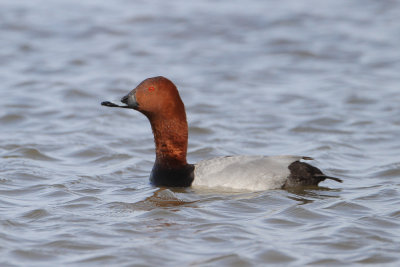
{"points": [[255, 173]]}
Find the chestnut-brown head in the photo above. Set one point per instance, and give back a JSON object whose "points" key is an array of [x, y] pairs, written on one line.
{"points": [[158, 99], [155, 96]]}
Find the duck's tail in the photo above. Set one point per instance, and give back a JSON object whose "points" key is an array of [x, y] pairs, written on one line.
{"points": [[323, 177], [304, 174]]}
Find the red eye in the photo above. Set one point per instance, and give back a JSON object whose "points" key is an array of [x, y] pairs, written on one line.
{"points": [[151, 89]]}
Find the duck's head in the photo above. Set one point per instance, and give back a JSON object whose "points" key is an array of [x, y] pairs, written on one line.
{"points": [[153, 96], [158, 99]]}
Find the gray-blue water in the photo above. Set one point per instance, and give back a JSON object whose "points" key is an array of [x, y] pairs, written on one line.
{"points": [[308, 77]]}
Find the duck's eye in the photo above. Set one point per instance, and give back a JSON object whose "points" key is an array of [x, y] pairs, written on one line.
{"points": [[151, 89]]}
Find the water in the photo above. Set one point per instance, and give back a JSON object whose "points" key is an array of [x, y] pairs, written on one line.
{"points": [[314, 78]]}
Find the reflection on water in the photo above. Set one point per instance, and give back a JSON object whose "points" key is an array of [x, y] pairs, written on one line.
{"points": [[307, 77]]}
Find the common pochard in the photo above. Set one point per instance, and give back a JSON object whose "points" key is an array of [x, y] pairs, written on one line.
{"points": [[159, 100]]}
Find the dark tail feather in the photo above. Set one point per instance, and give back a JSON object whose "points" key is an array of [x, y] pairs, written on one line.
{"points": [[323, 176]]}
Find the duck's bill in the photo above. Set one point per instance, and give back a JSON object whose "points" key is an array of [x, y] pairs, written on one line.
{"points": [[112, 105]]}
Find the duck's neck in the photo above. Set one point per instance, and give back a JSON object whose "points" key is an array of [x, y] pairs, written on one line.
{"points": [[171, 140]]}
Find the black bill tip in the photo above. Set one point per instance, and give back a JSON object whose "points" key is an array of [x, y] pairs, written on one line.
{"points": [[110, 104]]}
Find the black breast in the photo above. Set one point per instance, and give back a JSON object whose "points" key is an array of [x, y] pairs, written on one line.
{"points": [[172, 177]]}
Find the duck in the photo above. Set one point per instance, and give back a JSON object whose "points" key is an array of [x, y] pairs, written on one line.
{"points": [[158, 99]]}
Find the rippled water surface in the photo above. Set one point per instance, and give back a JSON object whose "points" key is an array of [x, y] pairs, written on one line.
{"points": [[314, 78]]}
